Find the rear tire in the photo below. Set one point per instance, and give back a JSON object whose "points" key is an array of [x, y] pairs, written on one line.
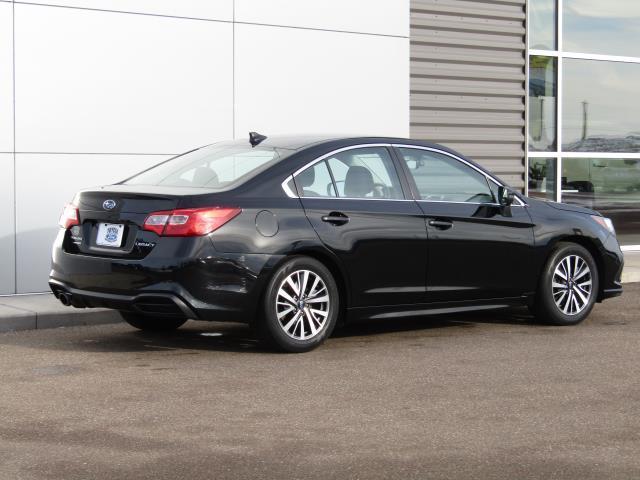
{"points": [[301, 305], [152, 324], [568, 286]]}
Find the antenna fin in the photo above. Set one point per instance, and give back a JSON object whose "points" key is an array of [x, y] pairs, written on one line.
{"points": [[255, 138]]}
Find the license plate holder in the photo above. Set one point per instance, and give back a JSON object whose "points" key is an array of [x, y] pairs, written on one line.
{"points": [[110, 235]]}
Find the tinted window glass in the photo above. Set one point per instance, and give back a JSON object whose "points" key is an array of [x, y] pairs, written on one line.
{"points": [[315, 181], [604, 27], [542, 103], [542, 178], [213, 167], [442, 178], [600, 106], [542, 24], [365, 173]]}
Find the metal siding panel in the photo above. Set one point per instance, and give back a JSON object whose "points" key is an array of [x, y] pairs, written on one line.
{"points": [[509, 9], [465, 86], [445, 117], [466, 71], [468, 80]]}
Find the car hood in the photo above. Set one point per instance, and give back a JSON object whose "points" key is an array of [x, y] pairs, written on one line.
{"points": [[572, 208]]}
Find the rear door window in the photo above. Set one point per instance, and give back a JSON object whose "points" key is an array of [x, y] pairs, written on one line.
{"points": [[315, 181], [366, 172]]}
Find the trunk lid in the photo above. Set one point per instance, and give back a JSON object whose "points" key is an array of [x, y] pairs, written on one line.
{"points": [[112, 219], [132, 199]]}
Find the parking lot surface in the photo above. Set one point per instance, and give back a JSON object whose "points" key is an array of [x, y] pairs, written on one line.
{"points": [[488, 396]]}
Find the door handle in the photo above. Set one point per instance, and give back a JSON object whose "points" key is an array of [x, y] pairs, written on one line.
{"points": [[335, 218], [441, 224]]}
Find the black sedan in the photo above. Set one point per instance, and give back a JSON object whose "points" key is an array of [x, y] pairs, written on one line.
{"points": [[294, 235]]}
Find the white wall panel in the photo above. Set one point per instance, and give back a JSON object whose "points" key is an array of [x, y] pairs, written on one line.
{"points": [[6, 77], [44, 184], [209, 9], [100, 82], [294, 81], [7, 233], [389, 17]]}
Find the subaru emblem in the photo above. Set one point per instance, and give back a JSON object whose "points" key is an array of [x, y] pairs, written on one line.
{"points": [[109, 204]]}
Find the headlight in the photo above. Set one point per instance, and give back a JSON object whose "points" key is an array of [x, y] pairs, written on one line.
{"points": [[605, 222]]}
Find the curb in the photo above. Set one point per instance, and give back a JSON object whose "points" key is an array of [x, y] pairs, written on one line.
{"points": [[631, 270], [36, 312], [632, 276]]}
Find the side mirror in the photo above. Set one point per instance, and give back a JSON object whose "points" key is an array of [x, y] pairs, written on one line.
{"points": [[506, 197]]}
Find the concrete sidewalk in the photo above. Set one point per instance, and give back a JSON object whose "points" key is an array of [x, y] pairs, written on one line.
{"points": [[631, 272], [30, 312]]}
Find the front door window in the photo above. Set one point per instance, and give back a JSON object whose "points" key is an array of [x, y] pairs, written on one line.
{"points": [[441, 178]]}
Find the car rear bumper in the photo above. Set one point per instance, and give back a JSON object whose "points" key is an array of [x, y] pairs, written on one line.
{"points": [[180, 278], [165, 304]]}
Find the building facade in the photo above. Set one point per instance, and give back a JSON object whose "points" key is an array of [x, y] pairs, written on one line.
{"points": [[584, 127], [542, 92], [93, 91]]}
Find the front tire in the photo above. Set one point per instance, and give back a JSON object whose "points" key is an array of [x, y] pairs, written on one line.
{"points": [[152, 324], [301, 305], [568, 287]]}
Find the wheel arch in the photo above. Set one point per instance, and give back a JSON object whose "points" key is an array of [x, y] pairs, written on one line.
{"points": [[332, 263], [592, 248]]}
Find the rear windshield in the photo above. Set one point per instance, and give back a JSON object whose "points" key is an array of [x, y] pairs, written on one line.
{"points": [[216, 167]]}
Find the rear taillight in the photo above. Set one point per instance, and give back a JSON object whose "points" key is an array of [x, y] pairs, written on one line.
{"points": [[189, 222], [70, 216]]}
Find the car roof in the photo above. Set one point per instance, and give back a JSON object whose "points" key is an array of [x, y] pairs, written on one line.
{"points": [[302, 141]]}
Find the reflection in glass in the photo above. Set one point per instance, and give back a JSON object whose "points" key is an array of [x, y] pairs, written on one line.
{"points": [[542, 178], [542, 103], [602, 27], [600, 106], [542, 24], [610, 186]]}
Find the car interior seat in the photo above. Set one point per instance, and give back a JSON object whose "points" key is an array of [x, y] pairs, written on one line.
{"points": [[305, 180], [359, 182]]}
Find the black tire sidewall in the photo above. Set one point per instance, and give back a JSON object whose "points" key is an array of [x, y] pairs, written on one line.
{"points": [[546, 309], [270, 328]]}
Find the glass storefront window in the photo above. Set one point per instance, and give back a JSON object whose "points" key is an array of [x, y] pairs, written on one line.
{"points": [[601, 27], [610, 186], [542, 24], [542, 103], [542, 178], [600, 106]]}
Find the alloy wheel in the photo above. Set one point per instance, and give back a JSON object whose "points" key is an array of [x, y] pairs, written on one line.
{"points": [[572, 284], [302, 304]]}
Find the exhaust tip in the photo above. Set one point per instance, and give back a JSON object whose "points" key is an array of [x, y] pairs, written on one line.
{"points": [[65, 299]]}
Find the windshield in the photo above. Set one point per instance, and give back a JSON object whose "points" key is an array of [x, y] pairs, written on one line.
{"points": [[216, 167]]}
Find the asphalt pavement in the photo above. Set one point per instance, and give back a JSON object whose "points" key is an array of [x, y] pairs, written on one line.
{"points": [[488, 396]]}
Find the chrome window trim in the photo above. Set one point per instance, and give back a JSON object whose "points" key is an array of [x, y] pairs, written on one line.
{"points": [[331, 154], [361, 198], [292, 194], [339, 150], [287, 190], [462, 160]]}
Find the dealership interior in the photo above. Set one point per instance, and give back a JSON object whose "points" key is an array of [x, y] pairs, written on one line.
{"points": [[583, 125]]}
